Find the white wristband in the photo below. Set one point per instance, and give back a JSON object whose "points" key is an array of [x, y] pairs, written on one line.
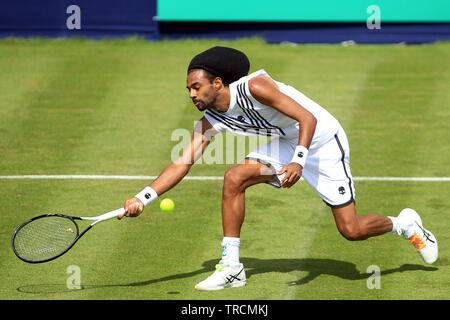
{"points": [[147, 195], [300, 155]]}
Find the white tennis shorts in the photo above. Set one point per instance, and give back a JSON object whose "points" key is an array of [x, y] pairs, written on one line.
{"points": [[327, 168]]}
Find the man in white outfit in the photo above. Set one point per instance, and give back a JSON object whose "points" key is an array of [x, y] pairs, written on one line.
{"points": [[306, 141]]}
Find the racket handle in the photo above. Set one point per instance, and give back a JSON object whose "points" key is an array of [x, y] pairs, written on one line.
{"points": [[112, 214], [106, 216]]}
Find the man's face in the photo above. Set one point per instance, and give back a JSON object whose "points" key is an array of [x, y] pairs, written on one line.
{"points": [[201, 90]]}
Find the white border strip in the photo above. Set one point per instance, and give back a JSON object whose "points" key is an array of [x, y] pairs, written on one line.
{"points": [[123, 177]]}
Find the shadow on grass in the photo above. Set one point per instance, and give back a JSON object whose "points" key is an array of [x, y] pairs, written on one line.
{"points": [[253, 266]]}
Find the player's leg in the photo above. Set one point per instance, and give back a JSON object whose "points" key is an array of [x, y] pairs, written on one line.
{"points": [[229, 271], [236, 181], [328, 171], [407, 224], [259, 166], [354, 227]]}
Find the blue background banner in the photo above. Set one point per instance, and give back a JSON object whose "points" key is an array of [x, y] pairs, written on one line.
{"points": [[64, 18]]}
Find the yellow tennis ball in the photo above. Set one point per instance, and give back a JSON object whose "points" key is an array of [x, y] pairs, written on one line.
{"points": [[167, 205]]}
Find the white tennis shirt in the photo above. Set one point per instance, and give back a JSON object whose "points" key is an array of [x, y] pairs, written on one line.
{"points": [[247, 116]]}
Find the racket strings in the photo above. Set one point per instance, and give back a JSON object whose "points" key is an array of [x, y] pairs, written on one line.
{"points": [[45, 238]]}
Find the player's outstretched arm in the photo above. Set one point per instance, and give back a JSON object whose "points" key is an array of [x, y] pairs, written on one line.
{"points": [[175, 172]]}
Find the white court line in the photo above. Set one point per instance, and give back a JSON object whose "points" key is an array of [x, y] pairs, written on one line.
{"points": [[124, 177], [426, 179]]}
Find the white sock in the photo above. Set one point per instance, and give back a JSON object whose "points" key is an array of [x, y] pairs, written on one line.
{"points": [[395, 225], [230, 251]]}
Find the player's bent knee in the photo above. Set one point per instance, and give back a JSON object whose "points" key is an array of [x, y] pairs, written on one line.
{"points": [[352, 233], [233, 180]]}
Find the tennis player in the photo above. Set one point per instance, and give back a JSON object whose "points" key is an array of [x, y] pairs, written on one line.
{"points": [[307, 141]]}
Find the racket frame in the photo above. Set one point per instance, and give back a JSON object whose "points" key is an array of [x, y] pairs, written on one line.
{"points": [[97, 219]]}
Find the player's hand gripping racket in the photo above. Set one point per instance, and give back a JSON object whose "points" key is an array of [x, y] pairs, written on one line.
{"points": [[49, 236]]}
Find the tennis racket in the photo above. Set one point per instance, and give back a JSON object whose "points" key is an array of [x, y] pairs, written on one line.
{"points": [[49, 236]]}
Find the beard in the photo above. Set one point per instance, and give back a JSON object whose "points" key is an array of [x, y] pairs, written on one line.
{"points": [[202, 105]]}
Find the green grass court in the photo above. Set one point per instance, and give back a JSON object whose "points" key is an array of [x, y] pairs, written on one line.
{"points": [[82, 107]]}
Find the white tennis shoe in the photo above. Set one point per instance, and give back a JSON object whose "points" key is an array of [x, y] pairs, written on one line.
{"points": [[224, 277], [412, 229]]}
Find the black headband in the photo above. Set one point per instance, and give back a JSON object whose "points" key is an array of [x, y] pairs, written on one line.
{"points": [[227, 63]]}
